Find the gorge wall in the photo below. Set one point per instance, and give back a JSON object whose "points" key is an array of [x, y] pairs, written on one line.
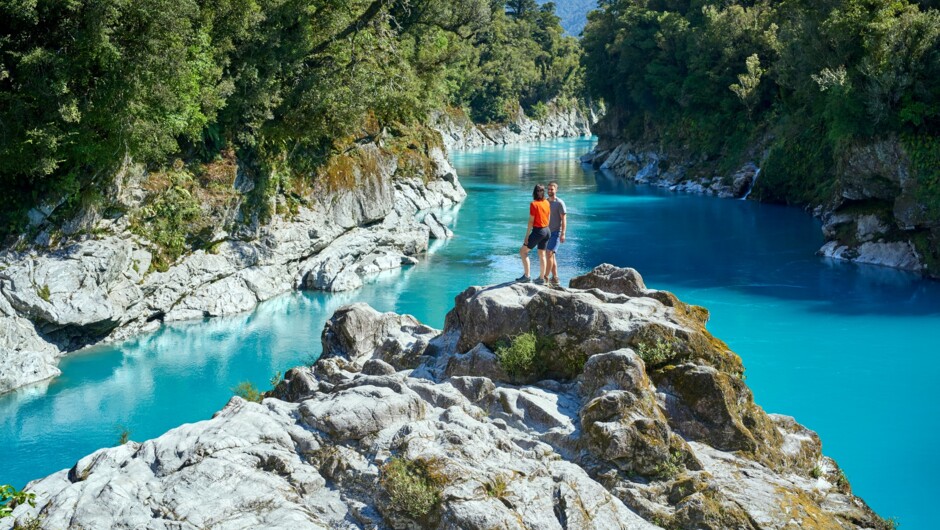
{"points": [[460, 132], [872, 213]]}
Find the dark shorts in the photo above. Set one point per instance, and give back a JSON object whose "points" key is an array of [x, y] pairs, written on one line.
{"points": [[538, 238], [552, 244]]}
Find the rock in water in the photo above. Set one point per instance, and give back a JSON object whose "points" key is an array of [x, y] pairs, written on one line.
{"points": [[400, 425]]}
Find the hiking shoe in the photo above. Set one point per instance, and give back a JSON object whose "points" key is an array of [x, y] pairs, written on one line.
{"points": [[539, 281], [523, 279], [554, 282]]}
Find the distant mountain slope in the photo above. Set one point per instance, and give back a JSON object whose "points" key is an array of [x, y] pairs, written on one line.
{"points": [[573, 13]]}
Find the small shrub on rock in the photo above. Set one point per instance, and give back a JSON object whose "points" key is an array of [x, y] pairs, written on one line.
{"points": [[248, 391], [413, 486], [11, 497], [44, 292], [671, 467], [518, 356], [656, 354], [496, 487]]}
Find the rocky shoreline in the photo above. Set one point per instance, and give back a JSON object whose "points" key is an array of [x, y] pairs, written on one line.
{"points": [[632, 416], [460, 132], [875, 218], [101, 288], [55, 299]]}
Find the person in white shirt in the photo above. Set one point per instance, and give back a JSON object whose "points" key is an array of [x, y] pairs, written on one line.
{"points": [[557, 225]]}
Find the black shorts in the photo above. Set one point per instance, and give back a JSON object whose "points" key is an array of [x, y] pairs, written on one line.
{"points": [[538, 237]]}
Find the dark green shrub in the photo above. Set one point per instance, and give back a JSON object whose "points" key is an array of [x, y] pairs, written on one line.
{"points": [[518, 357]]}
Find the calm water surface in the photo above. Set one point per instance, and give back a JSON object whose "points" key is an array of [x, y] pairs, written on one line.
{"points": [[850, 351]]}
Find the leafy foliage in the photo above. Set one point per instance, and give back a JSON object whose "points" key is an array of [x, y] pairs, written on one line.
{"points": [[87, 85], [803, 78], [656, 353], [519, 355], [248, 391], [11, 497]]}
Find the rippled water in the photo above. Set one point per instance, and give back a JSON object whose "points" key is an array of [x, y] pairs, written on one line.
{"points": [[850, 351]]}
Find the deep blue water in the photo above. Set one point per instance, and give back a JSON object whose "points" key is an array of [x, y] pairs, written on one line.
{"points": [[850, 351]]}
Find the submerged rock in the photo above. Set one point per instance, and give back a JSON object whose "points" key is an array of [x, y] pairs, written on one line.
{"points": [[399, 425]]}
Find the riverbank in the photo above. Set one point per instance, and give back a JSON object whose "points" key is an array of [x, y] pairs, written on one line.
{"points": [[103, 286], [97, 277], [872, 215], [660, 443]]}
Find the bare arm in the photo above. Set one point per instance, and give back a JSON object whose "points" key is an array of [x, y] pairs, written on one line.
{"points": [[528, 229], [564, 226]]}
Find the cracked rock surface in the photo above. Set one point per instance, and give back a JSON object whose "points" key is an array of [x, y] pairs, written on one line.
{"points": [[622, 439]]}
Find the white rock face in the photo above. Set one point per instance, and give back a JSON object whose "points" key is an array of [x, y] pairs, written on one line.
{"points": [[895, 254], [461, 133], [602, 450], [24, 356], [98, 290]]}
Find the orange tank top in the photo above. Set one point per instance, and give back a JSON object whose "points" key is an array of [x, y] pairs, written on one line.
{"points": [[541, 210]]}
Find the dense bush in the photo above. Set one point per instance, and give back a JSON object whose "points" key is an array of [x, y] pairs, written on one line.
{"points": [[88, 84], [804, 78]]}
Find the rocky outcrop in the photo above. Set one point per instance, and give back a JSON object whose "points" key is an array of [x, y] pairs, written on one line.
{"points": [[674, 171], [99, 288], [460, 132], [875, 215], [402, 426]]}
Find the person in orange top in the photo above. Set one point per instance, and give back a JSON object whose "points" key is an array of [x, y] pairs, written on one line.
{"points": [[537, 235]]}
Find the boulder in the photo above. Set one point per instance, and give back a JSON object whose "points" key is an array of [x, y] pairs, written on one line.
{"points": [[717, 408], [359, 333], [579, 323], [24, 357], [621, 420]]}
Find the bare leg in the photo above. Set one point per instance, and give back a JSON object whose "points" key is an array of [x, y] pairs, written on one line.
{"points": [[524, 254], [543, 264], [554, 261]]}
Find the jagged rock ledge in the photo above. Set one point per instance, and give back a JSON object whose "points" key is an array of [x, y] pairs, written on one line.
{"points": [[99, 289], [460, 132], [596, 437]]}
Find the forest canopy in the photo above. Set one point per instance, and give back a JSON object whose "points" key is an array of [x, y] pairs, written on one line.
{"points": [[87, 84], [803, 78]]}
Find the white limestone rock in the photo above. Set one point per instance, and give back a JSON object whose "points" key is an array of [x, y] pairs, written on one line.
{"points": [[24, 357], [556, 454]]}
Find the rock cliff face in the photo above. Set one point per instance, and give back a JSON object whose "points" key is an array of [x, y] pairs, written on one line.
{"points": [[99, 288], [631, 416], [459, 132], [875, 215]]}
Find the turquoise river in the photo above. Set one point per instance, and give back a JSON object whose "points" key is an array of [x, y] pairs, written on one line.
{"points": [[850, 351]]}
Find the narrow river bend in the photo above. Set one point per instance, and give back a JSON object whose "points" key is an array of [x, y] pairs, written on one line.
{"points": [[849, 351]]}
